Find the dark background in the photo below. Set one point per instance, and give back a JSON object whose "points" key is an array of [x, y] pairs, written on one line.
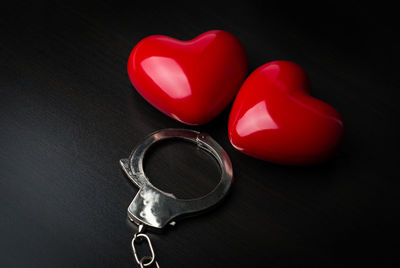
{"points": [[68, 113]]}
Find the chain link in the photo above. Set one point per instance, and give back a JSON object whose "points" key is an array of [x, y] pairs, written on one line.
{"points": [[142, 263], [145, 261]]}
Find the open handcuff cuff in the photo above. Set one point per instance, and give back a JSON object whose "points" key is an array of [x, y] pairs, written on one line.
{"points": [[153, 208]]}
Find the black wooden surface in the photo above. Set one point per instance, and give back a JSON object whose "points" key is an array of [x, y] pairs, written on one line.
{"points": [[68, 113]]}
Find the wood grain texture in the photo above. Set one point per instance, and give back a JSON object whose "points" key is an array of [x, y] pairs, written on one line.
{"points": [[68, 113]]}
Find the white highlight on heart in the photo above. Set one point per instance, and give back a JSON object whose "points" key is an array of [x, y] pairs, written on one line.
{"points": [[168, 75], [255, 119]]}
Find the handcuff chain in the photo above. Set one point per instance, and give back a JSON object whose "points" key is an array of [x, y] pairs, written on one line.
{"points": [[145, 260]]}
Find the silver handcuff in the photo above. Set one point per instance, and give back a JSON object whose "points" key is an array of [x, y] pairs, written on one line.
{"points": [[154, 209]]}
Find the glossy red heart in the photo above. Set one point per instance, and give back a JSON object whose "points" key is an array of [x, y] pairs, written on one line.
{"points": [[191, 81], [274, 118]]}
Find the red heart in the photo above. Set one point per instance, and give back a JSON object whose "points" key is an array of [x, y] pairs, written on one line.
{"points": [[191, 81], [275, 119]]}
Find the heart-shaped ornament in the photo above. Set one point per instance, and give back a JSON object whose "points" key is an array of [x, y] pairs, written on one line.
{"points": [[190, 81], [274, 118]]}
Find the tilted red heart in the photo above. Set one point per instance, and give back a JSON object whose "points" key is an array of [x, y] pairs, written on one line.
{"points": [[274, 118], [191, 81]]}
